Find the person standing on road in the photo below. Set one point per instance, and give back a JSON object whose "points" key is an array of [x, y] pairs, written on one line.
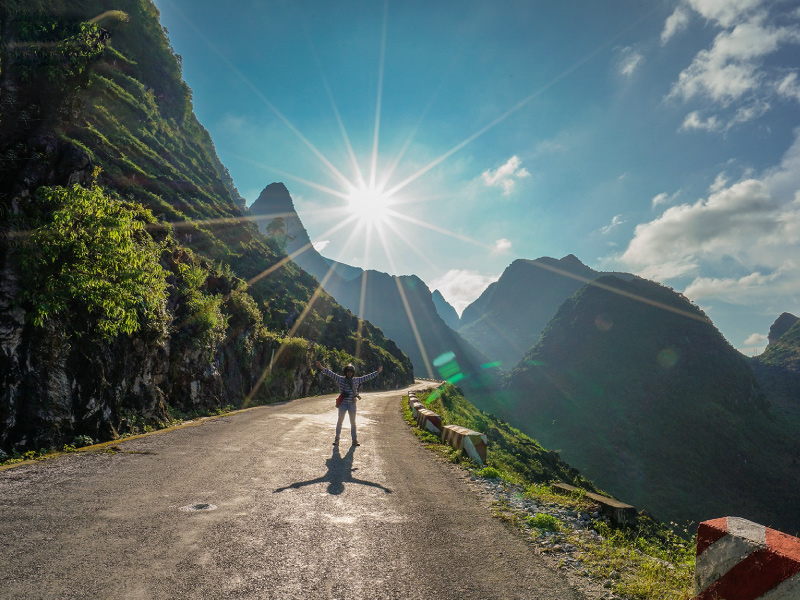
{"points": [[348, 388]]}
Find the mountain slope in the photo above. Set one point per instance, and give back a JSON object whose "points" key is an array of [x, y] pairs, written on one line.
{"points": [[639, 391], [778, 371], [401, 306], [509, 316], [445, 310], [508, 449], [781, 325], [133, 287]]}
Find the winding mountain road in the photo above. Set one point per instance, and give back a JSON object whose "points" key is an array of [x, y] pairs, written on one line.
{"points": [[258, 504]]}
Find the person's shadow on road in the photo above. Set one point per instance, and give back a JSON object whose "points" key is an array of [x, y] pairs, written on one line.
{"points": [[340, 471]]}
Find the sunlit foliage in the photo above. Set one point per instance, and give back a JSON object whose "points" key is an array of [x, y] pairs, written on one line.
{"points": [[91, 262]]}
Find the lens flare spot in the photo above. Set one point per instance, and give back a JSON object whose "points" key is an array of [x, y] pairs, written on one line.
{"points": [[443, 359], [603, 323], [667, 358], [448, 367]]}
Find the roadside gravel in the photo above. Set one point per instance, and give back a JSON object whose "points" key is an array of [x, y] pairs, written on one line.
{"points": [[509, 501]]}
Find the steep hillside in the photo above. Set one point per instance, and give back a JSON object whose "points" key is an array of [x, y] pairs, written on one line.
{"points": [[778, 371], [133, 288], [781, 325], [508, 318], [401, 306], [509, 450], [445, 310], [637, 389]]}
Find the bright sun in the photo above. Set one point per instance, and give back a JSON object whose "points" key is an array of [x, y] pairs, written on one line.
{"points": [[370, 205]]}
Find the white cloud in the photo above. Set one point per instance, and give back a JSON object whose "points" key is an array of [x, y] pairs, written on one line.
{"points": [[694, 121], [756, 339], [675, 23], [725, 12], [713, 123], [320, 245], [502, 245], [720, 182], [615, 222], [735, 73], [736, 290], [788, 87], [741, 244], [461, 287], [506, 175], [713, 226], [631, 60], [664, 198], [754, 344], [749, 112]]}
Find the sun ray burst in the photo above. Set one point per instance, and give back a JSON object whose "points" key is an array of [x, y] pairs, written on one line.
{"points": [[376, 133]]}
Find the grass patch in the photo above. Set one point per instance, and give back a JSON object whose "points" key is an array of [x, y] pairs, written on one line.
{"points": [[545, 522], [658, 565], [490, 473]]}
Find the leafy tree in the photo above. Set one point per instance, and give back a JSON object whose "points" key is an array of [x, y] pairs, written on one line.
{"points": [[277, 229], [92, 261]]}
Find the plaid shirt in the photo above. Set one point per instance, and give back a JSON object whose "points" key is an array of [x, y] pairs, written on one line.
{"points": [[345, 386]]}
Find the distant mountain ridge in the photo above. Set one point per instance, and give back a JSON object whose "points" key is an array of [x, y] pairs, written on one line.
{"points": [[402, 306], [446, 311], [509, 316]]}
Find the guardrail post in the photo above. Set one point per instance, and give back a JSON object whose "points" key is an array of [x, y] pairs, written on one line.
{"points": [[741, 560], [471, 442]]}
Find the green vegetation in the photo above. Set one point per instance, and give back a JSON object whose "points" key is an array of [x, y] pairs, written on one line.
{"points": [[784, 353], [650, 561], [517, 457], [778, 373], [490, 473], [90, 260], [545, 522]]}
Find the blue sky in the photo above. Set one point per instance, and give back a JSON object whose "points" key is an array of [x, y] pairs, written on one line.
{"points": [[659, 138]]}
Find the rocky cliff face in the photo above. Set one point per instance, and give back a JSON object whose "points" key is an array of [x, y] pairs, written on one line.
{"points": [[54, 387], [781, 325], [235, 326]]}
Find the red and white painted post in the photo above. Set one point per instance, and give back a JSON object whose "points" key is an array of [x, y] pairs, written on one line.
{"points": [[741, 560]]}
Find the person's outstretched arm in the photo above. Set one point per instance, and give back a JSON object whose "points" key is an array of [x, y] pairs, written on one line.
{"points": [[369, 376], [327, 372]]}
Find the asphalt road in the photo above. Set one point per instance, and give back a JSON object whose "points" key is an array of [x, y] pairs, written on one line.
{"points": [[289, 516]]}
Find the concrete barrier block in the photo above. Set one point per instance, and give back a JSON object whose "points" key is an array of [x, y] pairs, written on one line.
{"points": [[411, 399], [741, 560], [415, 409], [427, 419], [618, 512], [471, 442]]}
